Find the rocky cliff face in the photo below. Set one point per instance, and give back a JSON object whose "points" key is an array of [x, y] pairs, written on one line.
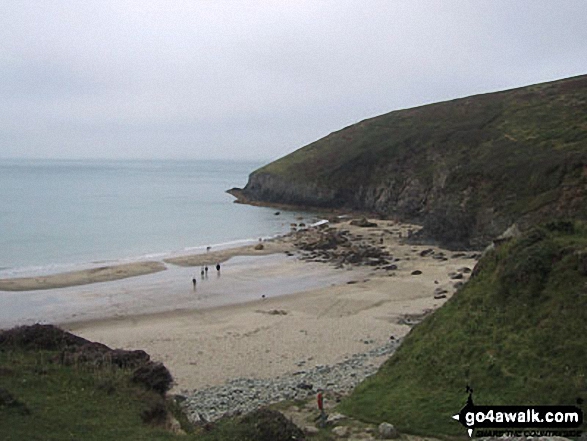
{"points": [[465, 169]]}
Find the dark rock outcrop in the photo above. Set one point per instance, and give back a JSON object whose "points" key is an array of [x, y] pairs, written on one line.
{"points": [[464, 169], [75, 350], [270, 425], [40, 337], [154, 376], [363, 223]]}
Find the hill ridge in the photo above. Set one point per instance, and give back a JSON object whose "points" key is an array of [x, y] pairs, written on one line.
{"points": [[466, 169]]}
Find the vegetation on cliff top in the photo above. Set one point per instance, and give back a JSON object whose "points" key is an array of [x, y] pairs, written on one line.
{"points": [[466, 169], [58, 386], [515, 333]]}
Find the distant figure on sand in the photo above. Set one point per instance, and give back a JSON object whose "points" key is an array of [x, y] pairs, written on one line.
{"points": [[208, 249], [206, 269], [202, 272], [218, 267], [194, 281]]}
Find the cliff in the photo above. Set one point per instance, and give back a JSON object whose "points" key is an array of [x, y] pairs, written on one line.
{"points": [[465, 169]]}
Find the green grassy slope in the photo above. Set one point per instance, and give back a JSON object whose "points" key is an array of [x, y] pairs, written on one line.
{"points": [[516, 332], [465, 168], [50, 401], [57, 386]]}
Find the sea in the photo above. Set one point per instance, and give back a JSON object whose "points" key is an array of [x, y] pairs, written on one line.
{"points": [[64, 215]]}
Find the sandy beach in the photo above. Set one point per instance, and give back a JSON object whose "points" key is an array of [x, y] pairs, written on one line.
{"points": [[123, 271], [289, 311]]}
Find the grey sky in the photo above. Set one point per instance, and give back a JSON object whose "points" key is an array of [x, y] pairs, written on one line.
{"points": [[258, 78]]}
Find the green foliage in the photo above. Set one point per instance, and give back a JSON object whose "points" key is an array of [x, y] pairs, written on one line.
{"points": [[43, 399], [515, 333], [506, 155], [74, 402]]}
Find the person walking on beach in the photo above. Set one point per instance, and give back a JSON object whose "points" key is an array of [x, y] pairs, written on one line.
{"points": [[218, 267], [202, 273], [206, 269], [194, 281]]}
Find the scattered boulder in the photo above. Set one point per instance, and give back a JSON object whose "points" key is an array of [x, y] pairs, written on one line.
{"points": [[416, 273], [335, 417], [277, 312], [363, 223], [512, 232], [311, 430], [339, 247], [387, 431], [259, 247], [341, 431], [440, 293], [269, 425]]}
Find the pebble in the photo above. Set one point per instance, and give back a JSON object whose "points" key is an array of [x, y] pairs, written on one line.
{"points": [[244, 395]]}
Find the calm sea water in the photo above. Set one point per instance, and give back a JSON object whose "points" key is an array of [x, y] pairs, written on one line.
{"points": [[56, 215]]}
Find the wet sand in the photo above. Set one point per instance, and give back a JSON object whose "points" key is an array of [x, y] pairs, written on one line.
{"points": [[241, 279], [117, 272], [213, 257], [82, 277], [311, 313]]}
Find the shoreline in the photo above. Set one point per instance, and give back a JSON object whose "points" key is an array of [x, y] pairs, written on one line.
{"points": [[68, 279], [361, 307], [109, 273]]}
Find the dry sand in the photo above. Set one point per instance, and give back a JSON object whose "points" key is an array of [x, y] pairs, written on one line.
{"points": [[269, 337], [83, 277]]}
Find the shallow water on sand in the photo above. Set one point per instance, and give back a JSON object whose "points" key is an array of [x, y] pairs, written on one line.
{"points": [[64, 215], [241, 279]]}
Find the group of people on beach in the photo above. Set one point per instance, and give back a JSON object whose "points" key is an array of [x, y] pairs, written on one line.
{"points": [[204, 274]]}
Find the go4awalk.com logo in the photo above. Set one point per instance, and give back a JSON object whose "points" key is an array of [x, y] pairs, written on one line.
{"points": [[519, 420]]}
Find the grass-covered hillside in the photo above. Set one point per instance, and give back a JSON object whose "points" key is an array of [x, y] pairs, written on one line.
{"points": [[55, 386], [466, 169], [516, 333]]}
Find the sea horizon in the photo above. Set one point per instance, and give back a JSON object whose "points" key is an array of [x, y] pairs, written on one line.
{"points": [[60, 215]]}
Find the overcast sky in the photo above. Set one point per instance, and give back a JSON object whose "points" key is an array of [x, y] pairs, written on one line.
{"points": [[256, 79]]}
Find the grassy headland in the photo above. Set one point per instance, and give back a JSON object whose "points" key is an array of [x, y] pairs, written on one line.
{"points": [[515, 333], [465, 169]]}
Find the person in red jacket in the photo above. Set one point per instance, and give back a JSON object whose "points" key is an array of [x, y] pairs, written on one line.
{"points": [[322, 417]]}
